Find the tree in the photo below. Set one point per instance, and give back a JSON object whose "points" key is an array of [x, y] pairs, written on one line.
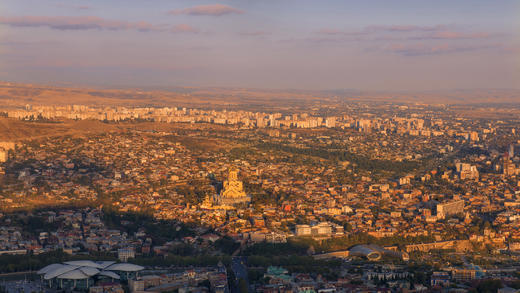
{"points": [[242, 286], [205, 283], [489, 286]]}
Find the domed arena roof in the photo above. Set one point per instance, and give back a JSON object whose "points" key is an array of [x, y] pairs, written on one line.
{"points": [[76, 274], [84, 263], [124, 267], [110, 274], [371, 252], [49, 268], [83, 269], [58, 271]]}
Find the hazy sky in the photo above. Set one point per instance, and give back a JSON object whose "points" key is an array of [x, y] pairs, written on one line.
{"points": [[319, 44]]}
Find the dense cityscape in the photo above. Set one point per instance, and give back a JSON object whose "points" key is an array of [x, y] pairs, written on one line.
{"points": [[370, 197], [233, 146]]}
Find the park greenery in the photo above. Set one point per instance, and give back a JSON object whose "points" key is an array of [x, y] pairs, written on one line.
{"points": [[305, 245], [362, 162], [161, 231]]}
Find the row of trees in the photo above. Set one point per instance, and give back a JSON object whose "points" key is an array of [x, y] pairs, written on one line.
{"points": [[23, 263], [29, 262], [298, 264], [160, 230], [305, 245], [183, 261]]}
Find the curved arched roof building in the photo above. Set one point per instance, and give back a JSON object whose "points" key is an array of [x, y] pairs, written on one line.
{"points": [[369, 251], [81, 273]]}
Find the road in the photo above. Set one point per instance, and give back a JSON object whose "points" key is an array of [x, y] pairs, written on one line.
{"points": [[239, 249], [239, 267]]}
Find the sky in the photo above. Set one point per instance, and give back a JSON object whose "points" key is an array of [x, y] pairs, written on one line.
{"points": [[272, 44]]}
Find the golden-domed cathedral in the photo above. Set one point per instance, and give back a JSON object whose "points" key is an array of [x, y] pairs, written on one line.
{"points": [[233, 188], [232, 194]]}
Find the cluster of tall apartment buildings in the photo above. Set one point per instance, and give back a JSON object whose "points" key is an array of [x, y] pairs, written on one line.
{"points": [[413, 125], [172, 114]]}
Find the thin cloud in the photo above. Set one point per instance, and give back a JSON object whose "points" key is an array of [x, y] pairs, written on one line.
{"points": [[423, 49], [374, 29], [89, 23], [453, 35], [73, 6], [404, 28], [511, 49], [329, 31], [254, 34], [211, 10], [184, 28], [406, 32], [337, 32], [77, 23]]}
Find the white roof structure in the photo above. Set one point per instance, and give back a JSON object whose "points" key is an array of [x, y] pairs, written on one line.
{"points": [[84, 263], [105, 263], [89, 271], [73, 275], [49, 268], [110, 274], [51, 274], [372, 252], [124, 267], [83, 269]]}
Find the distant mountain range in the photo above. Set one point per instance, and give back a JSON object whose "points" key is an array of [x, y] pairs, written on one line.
{"points": [[17, 94]]}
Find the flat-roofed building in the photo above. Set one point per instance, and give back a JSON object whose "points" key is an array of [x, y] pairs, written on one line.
{"points": [[450, 208]]}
